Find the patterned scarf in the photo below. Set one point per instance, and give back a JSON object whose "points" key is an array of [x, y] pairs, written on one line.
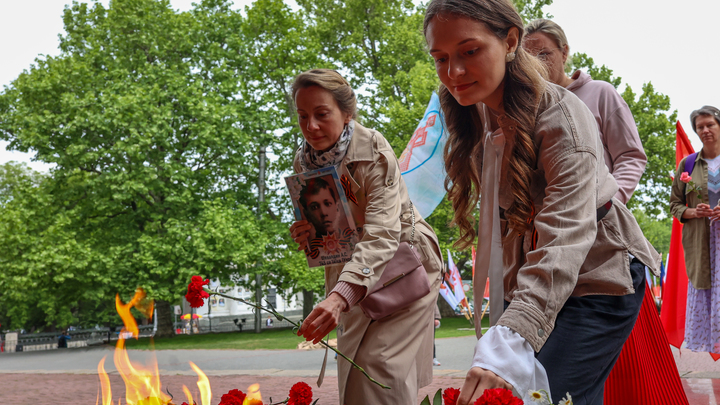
{"points": [[312, 159]]}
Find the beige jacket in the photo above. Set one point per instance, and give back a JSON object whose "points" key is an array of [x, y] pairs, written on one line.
{"points": [[696, 231], [574, 254], [396, 350]]}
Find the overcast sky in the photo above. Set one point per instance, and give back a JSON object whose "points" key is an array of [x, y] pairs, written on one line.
{"points": [[668, 43]]}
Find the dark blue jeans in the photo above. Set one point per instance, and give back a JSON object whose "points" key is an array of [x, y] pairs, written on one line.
{"points": [[589, 334]]}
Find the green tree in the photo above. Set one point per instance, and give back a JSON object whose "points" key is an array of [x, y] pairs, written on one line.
{"points": [[380, 47], [140, 115], [47, 277], [275, 47], [657, 231], [532, 9], [14, 177]]}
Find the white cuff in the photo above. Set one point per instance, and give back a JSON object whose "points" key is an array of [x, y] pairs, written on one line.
{"points": [[510, 356]]}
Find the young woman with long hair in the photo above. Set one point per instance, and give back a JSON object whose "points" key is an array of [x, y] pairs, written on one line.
{"points": [[566, 260], [636, 377]]}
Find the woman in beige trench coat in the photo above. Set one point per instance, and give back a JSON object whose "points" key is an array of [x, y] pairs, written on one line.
{"points": [[395, 350]]}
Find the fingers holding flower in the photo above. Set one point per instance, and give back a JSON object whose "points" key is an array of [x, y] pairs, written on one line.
{"points": [[477, 382], [323, 319]]}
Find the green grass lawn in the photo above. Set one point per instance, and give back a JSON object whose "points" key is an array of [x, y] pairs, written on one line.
{"points": [[270, 339], [456, 327]]}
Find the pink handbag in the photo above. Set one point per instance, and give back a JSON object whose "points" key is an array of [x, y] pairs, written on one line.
{"points": [[403, 281]]}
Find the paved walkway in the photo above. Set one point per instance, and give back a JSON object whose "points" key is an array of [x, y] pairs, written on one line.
{"points": [[70, 376]]}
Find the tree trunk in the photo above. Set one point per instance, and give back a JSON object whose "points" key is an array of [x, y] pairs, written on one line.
{"points": [[308, 302], [164, 320]]}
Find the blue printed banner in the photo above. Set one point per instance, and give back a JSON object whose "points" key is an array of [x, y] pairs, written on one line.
{"points": [[422, 165]]}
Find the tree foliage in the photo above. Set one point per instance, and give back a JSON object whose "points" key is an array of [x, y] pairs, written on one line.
{"points": [[657, 231], [154, 120], [141, 118]]}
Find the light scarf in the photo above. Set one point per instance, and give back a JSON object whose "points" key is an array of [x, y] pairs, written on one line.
{"points": [[311, 159], [489, 249]]}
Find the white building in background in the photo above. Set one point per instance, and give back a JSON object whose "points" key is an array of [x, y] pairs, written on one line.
{"points": [[220, 306]]}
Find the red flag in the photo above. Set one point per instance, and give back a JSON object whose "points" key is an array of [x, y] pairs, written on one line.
{"points": [[645, 372], [683, 147], [674, 296], [473, 262]]}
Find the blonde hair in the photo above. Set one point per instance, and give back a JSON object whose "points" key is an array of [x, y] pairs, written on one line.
{"points": [[524, 84], [549, 28], [331, 81]]}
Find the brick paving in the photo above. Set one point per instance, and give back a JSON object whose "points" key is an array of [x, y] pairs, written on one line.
{"points": [[69, 377], [56, 389], [60, 389]]}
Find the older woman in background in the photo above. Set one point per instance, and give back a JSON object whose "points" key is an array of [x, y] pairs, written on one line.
{"points": [[634, 378], [624, 154], [694, 202]]}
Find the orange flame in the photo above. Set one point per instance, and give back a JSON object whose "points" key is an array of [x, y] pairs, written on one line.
{"points": [[253, 396], [105, 383], [140, 303], [188, 394], [142, 383], [203, 385]]}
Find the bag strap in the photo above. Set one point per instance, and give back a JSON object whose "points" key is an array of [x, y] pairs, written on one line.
{"points": [[690, 163], [412, 232]]}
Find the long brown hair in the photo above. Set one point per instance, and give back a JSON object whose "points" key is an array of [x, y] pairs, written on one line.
{"points": [[524, 84]]}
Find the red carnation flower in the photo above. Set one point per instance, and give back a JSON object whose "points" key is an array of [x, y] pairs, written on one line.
{"points": [[233, 397], [450, 396], [300, 394], [196, 293], [498, 396]]}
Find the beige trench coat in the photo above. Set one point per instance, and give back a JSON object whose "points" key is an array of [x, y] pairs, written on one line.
{"points": [[396, 350]]}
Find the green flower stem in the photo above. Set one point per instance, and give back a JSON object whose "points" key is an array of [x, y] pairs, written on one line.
{"points": [[280, 317]]}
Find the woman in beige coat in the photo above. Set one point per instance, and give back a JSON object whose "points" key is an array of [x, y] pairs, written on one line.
{"points": [[395, 350]]}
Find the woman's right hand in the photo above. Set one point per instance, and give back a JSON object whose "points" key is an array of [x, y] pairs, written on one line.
{"points": [[476, 382], [701, 211], [300, 232]]}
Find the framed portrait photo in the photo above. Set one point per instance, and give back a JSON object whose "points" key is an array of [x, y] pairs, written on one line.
{"points": [[319, 198]]}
